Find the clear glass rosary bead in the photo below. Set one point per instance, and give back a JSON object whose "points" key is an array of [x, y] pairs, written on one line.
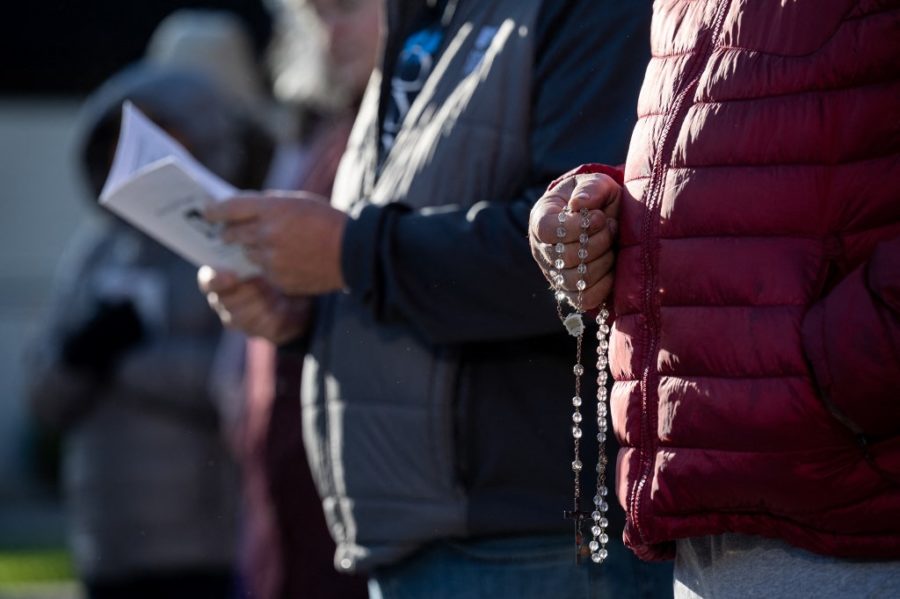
{"points": [[604, 328], [576, 401], [583, 238], [582, 269], [601, 437], [602, 554], [560, 232], [560, 296], [596, 530], [562, 216], [595, 557], [582, 254], [581, 285], [576, 465], [576, 432], [559, 264], [594, 545], [603, 522], [602, 491], [559, 280], [576, 417], [603, 315], [597, 516], [578, 369], [603, 538], [560, 247]]}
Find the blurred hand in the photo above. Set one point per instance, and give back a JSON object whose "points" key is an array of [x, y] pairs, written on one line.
{"points": [[254, 307], [294, 237], [601, 195]]}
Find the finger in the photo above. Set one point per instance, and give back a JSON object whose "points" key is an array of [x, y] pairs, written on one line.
{"points": [[564, 187], [204, 275], [237, 209], [270, 326], [594, 271], [612, 208], [257, 255], [300, 195], [542, 221], [219, 308], [261, 320], [246, 233], [553, 228], [241, 296], [212, 281], [594, 192], [597, 244], [224, 315], [598, 293], [246, 318]]}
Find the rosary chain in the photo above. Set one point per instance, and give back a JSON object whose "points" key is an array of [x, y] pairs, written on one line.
{"points": [[600, 538]]}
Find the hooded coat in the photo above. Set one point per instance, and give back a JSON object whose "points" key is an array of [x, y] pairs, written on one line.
{"points": [[123, 365]]}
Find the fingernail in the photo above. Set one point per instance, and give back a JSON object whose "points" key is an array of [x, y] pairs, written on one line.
{"points": [[205, 274]]}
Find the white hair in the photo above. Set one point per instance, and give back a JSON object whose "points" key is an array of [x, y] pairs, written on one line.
{"points": [[297, 57]]}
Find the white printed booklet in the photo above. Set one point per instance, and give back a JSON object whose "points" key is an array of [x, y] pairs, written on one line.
{"points": [[157, 186]]}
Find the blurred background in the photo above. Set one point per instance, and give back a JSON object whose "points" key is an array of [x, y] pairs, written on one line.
{"points": [[54, 53]]}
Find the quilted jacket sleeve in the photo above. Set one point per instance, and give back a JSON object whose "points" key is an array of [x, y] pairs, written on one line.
{"points": [[852, 340]]}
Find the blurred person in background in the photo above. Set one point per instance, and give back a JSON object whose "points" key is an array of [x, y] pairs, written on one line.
{"points": [[321, 58], [123, 367]]}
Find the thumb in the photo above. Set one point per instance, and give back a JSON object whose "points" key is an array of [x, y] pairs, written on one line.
{"points": [[594, 192]]}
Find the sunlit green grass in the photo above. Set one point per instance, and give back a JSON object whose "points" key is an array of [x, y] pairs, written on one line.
{"points": [[35, 566]]}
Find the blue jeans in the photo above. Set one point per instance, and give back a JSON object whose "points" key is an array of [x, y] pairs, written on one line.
{"points": [[539, 567]]}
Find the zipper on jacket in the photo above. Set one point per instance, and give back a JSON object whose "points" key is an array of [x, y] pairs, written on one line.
{"points": [[640, 492]]}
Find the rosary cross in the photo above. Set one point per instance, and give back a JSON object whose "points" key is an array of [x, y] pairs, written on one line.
{"points": [[578, 517]]}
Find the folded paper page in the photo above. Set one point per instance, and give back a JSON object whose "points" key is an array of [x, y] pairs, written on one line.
{"points": [[157, 186]]}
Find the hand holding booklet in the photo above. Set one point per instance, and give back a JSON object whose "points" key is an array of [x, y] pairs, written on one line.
{"points": [[157, 186]]}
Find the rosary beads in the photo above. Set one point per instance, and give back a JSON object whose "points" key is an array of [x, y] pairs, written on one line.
{"points": [[574, 324]]}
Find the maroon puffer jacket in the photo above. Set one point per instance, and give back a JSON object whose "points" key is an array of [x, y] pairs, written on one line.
{"points": [[756, 349]]}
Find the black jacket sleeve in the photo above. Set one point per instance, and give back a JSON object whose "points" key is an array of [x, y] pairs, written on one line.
{"points": [[462, 275]]}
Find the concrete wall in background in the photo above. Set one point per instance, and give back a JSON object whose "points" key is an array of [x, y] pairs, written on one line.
{"points": [[42, 204]]}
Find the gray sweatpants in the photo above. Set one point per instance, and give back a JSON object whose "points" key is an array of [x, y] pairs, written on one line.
{"points": [[744, 567]]}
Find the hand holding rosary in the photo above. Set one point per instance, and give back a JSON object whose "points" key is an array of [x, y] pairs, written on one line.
{"points": [[571, 307]]}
